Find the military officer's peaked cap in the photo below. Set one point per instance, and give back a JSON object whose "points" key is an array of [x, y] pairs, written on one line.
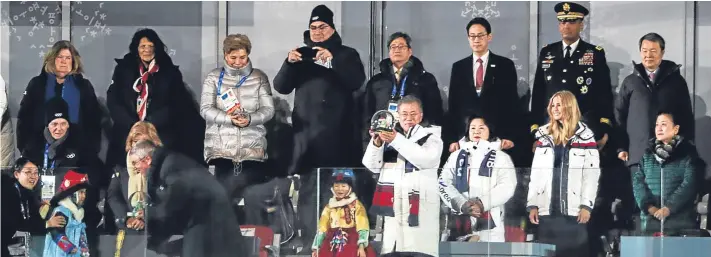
{"points": [[569, 11]]}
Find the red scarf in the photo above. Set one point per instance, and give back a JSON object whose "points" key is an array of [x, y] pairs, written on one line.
{"points": [[141, 86]]}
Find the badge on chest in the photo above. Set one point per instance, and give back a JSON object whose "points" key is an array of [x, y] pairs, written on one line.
{"points": [[587, 59], [229, 101]]}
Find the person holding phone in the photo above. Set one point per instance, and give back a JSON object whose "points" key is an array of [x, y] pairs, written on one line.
{"points": [[325, 133], [236, 102]]}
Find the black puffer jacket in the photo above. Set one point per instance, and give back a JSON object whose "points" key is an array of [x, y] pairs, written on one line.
{"points": [[639, 101]]}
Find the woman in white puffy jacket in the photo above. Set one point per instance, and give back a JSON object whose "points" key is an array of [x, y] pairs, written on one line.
{"points": [[476, 182], [564, 178]]}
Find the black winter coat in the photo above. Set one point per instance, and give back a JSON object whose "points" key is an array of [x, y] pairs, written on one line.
{"points": [[639, 101], [31, 116], [72, 154], [323, 113], [171, 109], [13, 196], [186, 199], [419, 83]]}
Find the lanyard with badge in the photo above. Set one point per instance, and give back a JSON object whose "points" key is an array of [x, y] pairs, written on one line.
{"points": [[47, 176], [229, 99], [392, 104]]}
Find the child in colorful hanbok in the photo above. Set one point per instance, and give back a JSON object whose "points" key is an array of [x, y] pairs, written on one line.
{"points": [[343, 228], [69, 240]]}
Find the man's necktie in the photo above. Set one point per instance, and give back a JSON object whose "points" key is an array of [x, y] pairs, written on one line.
{"points": [[479, 74], [651, 77], [397, 75], [567, 52]]}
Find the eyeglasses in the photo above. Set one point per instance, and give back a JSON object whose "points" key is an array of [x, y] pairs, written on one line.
{"points": [[412, 114], [31, 173], [146, 47], [477, 36], [322, 27], [398, 47]]}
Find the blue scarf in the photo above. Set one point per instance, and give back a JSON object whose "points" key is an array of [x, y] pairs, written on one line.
{"points": [[70, 94], [461, 181]]}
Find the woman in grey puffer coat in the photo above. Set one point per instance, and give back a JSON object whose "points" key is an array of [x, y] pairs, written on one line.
{"points": [[236, 102]]}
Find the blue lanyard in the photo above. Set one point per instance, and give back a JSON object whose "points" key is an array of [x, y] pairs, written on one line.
{"points": [[46, 157], [222, 75], [402, 89]]}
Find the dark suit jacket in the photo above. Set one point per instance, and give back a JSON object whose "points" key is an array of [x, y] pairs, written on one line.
{"points": [[498, 102], [585, 74]]}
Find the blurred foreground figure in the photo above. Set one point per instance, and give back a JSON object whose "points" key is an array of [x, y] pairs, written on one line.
{"points": [[185, 199]]}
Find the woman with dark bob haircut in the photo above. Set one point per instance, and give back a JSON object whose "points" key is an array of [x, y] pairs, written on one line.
{"points": [[147, 86]]}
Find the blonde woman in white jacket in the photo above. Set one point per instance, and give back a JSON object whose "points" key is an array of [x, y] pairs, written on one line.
{"points": [[476, 182], [564, 178], [406, 194]]}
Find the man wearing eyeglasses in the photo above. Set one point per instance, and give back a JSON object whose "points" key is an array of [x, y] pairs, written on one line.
{"points": [[324, 75], [484, 84], [400, 75]]}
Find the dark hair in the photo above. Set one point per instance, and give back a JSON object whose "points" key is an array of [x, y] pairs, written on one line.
{"points": [[653, 37], [409, 99], [492, 135], [151, 35], [481, 21], [668, 113], [403, 35], [20, 163]]}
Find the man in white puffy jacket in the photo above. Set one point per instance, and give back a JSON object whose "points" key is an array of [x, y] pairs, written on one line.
{"points": [[482, 177], [7, 137], [406, 194]]}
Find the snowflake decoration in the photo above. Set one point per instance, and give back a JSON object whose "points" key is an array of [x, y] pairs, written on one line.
{"points": [[489, 10]]}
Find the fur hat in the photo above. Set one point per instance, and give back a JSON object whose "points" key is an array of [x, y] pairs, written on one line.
{"points": [[56, 108], [322, 13]]}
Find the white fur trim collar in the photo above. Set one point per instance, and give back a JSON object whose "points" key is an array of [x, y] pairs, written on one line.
{"points": [[333, 203], [78, 213]]}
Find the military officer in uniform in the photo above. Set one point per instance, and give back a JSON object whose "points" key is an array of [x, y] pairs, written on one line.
{"points": [[577, 66], [581, 68]]}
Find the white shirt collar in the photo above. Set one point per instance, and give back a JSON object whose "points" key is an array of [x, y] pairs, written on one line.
{"points": [[573, 46], [484, 58]]}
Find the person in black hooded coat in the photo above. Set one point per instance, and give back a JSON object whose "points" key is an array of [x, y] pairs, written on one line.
{"points": [[324, 116], [169, 104]]}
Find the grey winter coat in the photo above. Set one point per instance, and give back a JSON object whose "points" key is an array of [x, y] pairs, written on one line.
{"points": [[222, 138]]}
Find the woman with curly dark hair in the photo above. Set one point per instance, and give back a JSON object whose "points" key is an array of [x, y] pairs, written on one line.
{"points": [[147, 86]]}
